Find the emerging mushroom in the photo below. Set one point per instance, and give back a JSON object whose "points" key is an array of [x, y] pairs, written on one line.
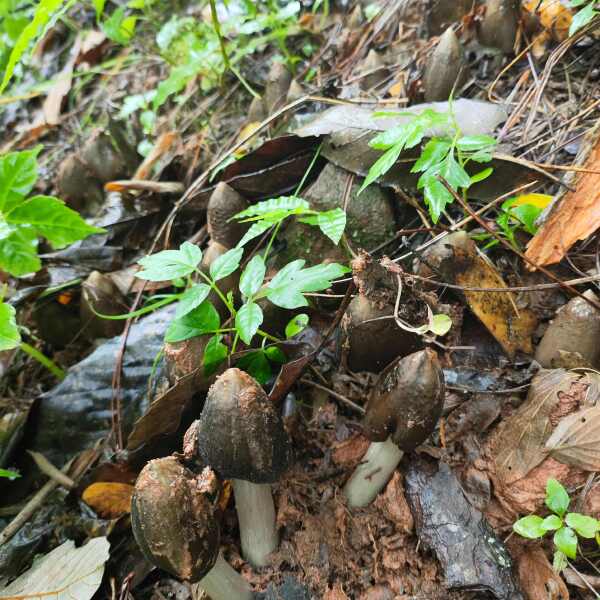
{"points": [[402, 411], [241, 435], [173, 521]]}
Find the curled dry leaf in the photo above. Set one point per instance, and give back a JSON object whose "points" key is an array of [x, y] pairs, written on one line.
{"points": [[458, 261], [109, 499], [576, 440], [538, 578]]}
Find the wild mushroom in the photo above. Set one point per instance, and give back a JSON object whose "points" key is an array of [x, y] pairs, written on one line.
{"points": [[241, 436], [174, 524], [402, 411]]}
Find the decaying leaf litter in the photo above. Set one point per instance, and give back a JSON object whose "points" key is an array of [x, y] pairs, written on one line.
{"points": [[160, 152]]}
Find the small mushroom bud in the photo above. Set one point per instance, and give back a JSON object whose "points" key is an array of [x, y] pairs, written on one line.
{"points": [[276, 89], [402, 411], [174, 523], [498, 28], [443, 13], [446, 68], [373, 70], [241, 435], [99, 294], [223, 204]]}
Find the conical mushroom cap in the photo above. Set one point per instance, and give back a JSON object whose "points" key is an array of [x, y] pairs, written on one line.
{"points": [[173, 518], [240, 432], [406, 401]]}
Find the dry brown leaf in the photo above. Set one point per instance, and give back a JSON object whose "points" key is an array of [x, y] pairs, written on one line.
{"points": [[335, 593], [456, 258], [576, 440], [349, 452], [576, 215], [538, 579], [109, 499]]}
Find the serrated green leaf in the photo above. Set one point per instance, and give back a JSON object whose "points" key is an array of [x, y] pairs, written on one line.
{"points": [[257, 365], [214, 354], [296, 325], [274, 354], [255, 230], [253, 276], [472, 143], [557, 498], [382, 165], [18, 250], [454, 173], [559, 562], [436, 197], [203, 319], [18, 174], [226, 264], [247, 321], [552, 522], [274, 206], [286, 289], [530, 527], [9, 332], [52, 219], [170, 264], [434, 152], [565, 539], [481, 175], [585, 526], [192, 298], [332, 223]]}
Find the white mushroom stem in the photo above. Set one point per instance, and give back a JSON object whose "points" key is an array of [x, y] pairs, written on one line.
{"points": [[223, 582], [256, 517], [371, 475]]}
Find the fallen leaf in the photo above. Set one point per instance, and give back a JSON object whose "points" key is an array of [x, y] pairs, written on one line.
{"points": [[109, 499], [576, 214], [457, 259], [66, 573], [349, 452], [538, 578], [576, 440], [335, 593]]}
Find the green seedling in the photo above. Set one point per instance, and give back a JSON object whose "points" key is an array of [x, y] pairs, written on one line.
{"points": [[24, 219], [567, 526], [588, 9], [443, 156], [9, 474]]}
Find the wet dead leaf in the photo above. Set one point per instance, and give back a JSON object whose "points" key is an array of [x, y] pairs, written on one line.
{"points": [[108, 499], [576, 440], [350, 451], [538, 579], [335, 593], [574, 216], [66, 573], [457, 260]]}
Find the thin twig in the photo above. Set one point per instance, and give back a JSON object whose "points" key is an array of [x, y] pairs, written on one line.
{"points": [[333, 394]]}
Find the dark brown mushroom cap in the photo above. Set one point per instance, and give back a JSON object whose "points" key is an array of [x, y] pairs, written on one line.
{"points": [[240, 432], [406, 401], [173, 518]]}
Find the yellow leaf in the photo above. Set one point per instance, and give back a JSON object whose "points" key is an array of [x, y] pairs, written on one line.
{"points": [[539, 200], [108, 498]]}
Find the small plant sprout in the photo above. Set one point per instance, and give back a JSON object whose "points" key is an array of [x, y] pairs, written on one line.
{"points": [[443, 156], [196, 315], [565, 525], [587, 10]]}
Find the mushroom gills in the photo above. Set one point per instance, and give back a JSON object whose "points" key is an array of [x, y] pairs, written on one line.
{"points": [[224, 582], [374, 471], [256, 517]]}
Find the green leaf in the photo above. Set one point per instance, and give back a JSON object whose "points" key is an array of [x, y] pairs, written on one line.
{"points": [[247, 321], [565, 539], [170, 264], [44, 11], [472, 143], [296, 325], [433, 153], [214, 354], [253, 276], [52, 219], [440, 324], [580, 19], [454, 174], [9, 332], [99, 8], [257, 365], [18, 250], [287, 205], [118, 27], [332, 223], [436, 197], [530, 527], [226, 264], [275, 355], [481, 175], [559, 562], [287, 287], [9, 474], [203, 319], [192, 298], [552, 522], [18, 174], [255, 230], [382, 165], [557, 499], [527, 215], [585, 526]]}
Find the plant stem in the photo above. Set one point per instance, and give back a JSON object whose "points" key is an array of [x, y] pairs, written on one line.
{"points": [[43, 360], [219, 293]]}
